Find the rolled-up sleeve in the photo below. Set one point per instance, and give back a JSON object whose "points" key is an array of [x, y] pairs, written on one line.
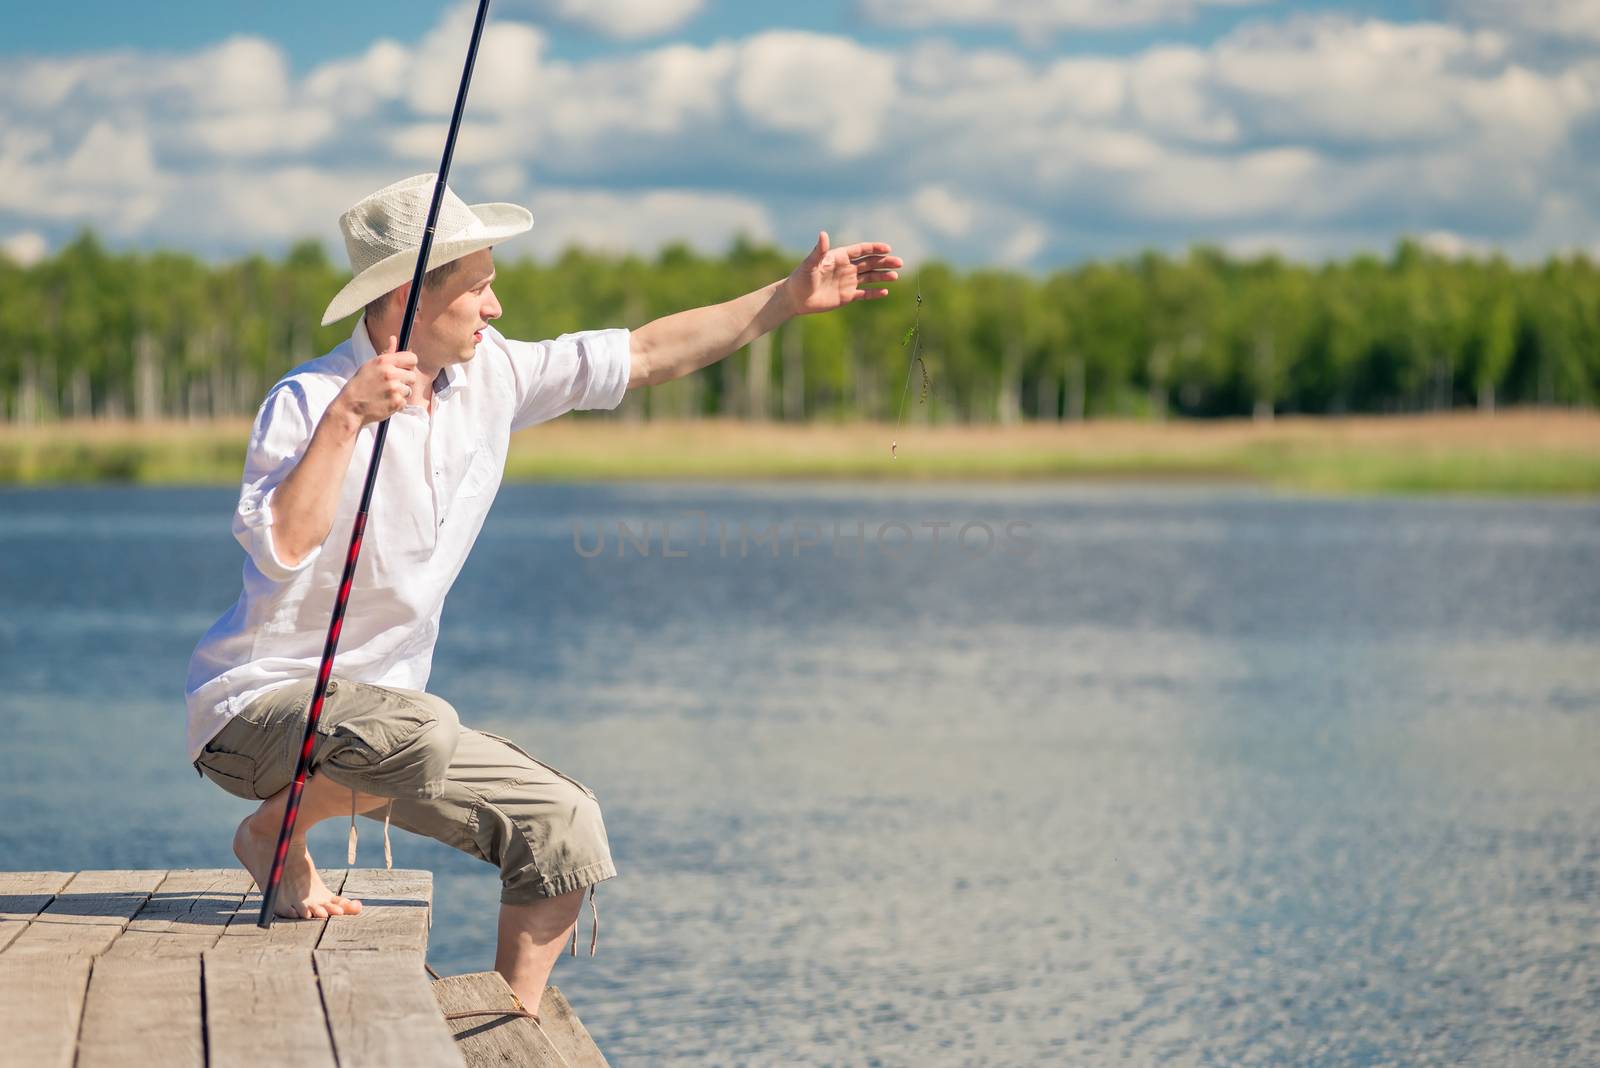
{"points": [[279, 438], [575, 371]]}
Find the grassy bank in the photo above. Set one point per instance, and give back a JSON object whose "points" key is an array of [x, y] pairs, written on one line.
{"points": [[1521, 452]]}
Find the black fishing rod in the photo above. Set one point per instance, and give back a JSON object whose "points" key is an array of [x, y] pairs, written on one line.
{"points": [[319, 692]]}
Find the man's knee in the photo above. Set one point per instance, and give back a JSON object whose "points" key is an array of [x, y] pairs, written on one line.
{"points": [[436, 740], [548, 846]]}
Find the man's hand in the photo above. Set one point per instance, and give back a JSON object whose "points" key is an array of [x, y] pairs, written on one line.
{"points": [[676, 345], [829, 279], [382, 386]]}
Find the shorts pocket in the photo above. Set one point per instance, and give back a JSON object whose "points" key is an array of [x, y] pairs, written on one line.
{"points": [[552, 770], [234, 772]]}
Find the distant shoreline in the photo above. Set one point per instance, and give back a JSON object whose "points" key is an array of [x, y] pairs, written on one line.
{"points": [[1532, 452]]}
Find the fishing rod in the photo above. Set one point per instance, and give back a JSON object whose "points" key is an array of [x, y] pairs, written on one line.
{"points": [[319, 692]]}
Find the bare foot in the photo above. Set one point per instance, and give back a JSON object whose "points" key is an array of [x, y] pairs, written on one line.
{"points": [[302, 894]]}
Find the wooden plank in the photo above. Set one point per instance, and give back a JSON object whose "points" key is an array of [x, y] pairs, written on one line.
{"points": [[88, 914], [41, 1004], [485, 1041], [186, 915], [23, 894], [567, 1032], [381, 1010], [288, 933], [142, 1011], [262, 1006], [396, 909]]}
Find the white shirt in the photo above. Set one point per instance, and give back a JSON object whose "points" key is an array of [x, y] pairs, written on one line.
{"points": [[437, 479]]}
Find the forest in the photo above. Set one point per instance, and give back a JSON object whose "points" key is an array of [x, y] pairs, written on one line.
{"points": [[91, 333]]}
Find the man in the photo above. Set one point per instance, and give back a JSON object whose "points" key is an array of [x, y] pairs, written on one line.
{"points": [[454, 398]]}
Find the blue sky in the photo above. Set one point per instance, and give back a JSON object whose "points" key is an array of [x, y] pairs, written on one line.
{"points": [[314, 32], [1028, 134]]}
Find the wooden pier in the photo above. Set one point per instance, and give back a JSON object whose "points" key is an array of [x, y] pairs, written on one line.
{"points": [[168, 968]]}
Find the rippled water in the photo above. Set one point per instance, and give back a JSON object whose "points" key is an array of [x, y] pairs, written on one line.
{"points": [[1168, 777]]}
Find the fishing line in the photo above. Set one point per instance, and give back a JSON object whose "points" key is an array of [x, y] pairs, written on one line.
{"points": [[913, 340]]}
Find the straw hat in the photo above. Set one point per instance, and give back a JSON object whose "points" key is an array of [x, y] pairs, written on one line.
{"points": [[383, 232]]}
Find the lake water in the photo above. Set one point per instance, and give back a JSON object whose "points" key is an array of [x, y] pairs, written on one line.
{"points": [[1150, 776]]}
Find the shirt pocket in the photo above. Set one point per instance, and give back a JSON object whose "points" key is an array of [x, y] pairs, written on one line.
{"points": [[483, 472]]}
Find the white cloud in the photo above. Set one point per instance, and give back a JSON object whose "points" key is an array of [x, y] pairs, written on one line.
{"points": [[250, 206], [1556, 18], [1037, 19], [503, 180], [618, 19], [943, 211], [1451, 245], [355, 88], [110, 155], [1023, 246], [1170, 91], [1373, 83], [648, 220], [259, 132], [26, 248], [827, 87], [1313, 131], [880, 220]]}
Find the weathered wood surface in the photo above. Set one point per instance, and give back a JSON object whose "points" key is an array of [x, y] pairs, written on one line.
{"points": [[23, 894], [493, 1041], [396, 911], [263, 1006], [567, 1031], [143, 1010], [185, 916], [134, 968], [381, 1011], [41, 1004], [88, 914], [558, 1040]]}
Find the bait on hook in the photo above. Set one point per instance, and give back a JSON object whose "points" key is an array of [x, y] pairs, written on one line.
{"points": [[913, 340]]}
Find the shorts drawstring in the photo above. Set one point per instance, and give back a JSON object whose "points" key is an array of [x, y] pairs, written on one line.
{"points": [[388, 853], [594, 930], [594, 912]]}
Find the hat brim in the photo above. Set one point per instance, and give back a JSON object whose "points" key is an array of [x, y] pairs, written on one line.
{"points": [[500, 221]]}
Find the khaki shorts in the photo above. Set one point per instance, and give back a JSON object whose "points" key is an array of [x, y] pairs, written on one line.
{"points": [[472, 790]]}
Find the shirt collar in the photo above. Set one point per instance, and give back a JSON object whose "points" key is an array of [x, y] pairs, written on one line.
{"points": [[455, 375]]}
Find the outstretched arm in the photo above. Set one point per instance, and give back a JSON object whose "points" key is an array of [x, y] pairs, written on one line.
{"points": [[679, 344]]}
